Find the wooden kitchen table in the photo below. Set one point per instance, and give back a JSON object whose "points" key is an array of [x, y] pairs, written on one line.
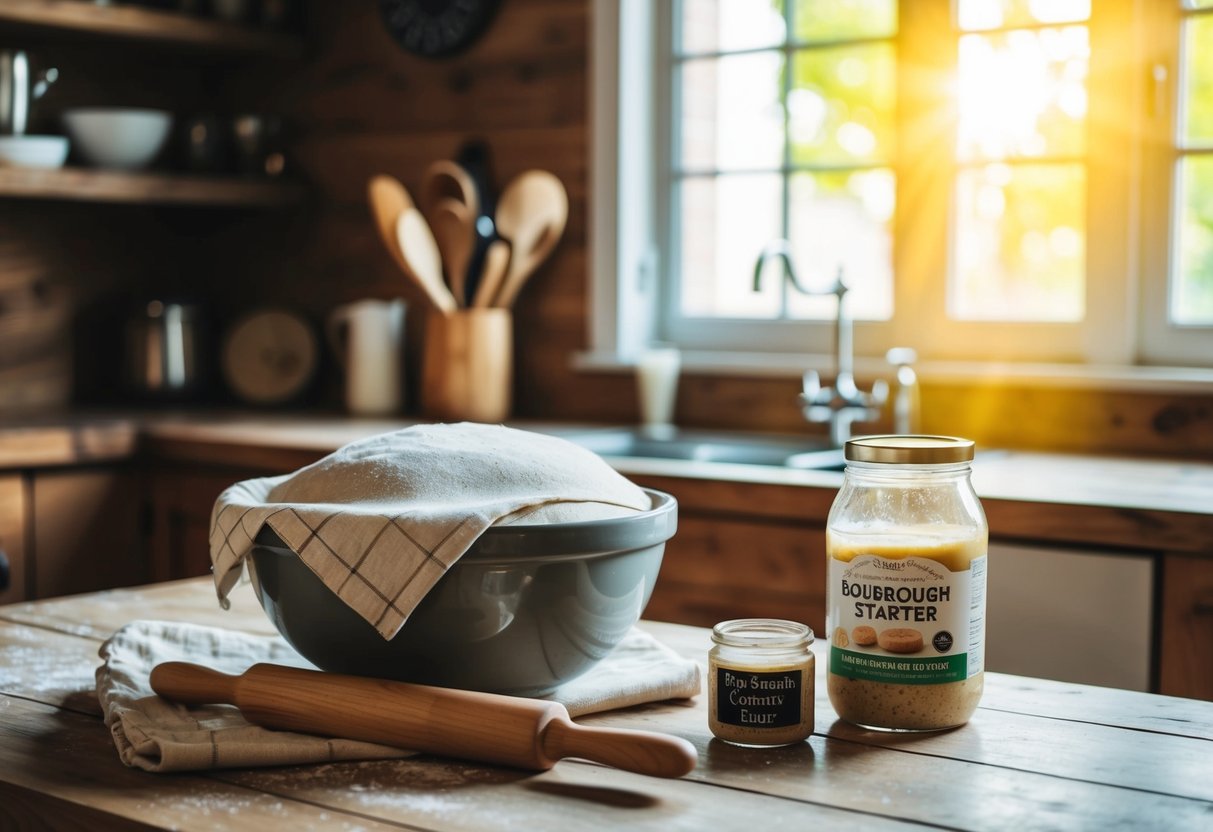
{"points": [[1037, 755]]}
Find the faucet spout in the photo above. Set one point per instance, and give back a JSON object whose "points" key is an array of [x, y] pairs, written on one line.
{"points": [[844, 403], [782, 250]]}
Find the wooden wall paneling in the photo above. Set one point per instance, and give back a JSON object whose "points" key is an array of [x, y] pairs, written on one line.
{"points": [[87, 531], [1186, 642], [13, 533], [1008, 415], [338, 164], [524, 71]]}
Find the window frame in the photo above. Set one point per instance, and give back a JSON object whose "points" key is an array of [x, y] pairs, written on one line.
{"points": [[627, 211], [1162, 43]]}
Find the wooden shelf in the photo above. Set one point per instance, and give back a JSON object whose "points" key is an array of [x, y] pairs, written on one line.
{"points": [[147, 25], [84, 185]]}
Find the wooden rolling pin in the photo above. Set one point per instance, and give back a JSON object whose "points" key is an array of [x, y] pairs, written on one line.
{"points": [[486, 727]]}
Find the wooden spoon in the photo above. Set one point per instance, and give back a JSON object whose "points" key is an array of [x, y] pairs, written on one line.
{"points": [[531, 214], [496, 261], [422, 260], [445, 179], [388, 200], [452, 226], [506, 730]]}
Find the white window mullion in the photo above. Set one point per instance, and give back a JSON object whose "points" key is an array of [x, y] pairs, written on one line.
{"points": [[1114, 167], [1162, 340], [624, 280]]}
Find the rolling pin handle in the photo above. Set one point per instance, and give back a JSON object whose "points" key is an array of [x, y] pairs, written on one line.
{"points": [[642, 752], [191, 684]]}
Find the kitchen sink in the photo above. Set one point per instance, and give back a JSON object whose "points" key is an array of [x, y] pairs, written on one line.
{"points": [[781, 451]]}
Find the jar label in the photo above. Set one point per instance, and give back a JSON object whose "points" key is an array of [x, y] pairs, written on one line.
{"points": [[907, 621], [758, 700]]}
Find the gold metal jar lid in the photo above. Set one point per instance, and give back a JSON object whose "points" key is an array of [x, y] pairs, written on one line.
{"points": [[909, 450]]}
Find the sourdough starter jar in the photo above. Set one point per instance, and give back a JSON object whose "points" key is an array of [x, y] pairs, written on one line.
{"points": [[906, 545], [760, 682]]}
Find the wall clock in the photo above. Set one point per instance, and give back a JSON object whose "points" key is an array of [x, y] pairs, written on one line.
{"points": [[436, 28]]}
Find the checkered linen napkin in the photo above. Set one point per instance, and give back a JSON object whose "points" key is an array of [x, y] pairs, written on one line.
{"points": [[157, 735], [382, 519]]}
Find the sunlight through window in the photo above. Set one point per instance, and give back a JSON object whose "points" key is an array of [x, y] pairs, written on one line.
{"points": [[1019, 235]]}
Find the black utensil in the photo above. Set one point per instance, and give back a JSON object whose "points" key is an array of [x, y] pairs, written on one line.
{"points": [[474, 158]]}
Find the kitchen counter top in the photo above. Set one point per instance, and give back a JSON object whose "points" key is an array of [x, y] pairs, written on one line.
{"points": [[68, 440], [1037, 754], [1156, 503]]}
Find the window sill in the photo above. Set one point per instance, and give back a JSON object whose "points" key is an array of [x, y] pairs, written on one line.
{"points": [[1186, 380]]}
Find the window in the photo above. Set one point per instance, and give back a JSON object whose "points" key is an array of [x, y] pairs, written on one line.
{"points": [[1178, 191], [1192, 277], [997, 179]]}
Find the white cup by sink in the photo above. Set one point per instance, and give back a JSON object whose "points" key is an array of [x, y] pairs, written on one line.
{"points": [[33, 151], [657, 370]]}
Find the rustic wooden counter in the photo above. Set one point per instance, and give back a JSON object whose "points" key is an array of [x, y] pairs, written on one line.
{"points": [[1065, 498], [1163, 503], [1037, 755]]}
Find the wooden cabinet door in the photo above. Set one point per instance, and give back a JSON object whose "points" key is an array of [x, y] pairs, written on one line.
{"points": [[1186, 643], [720, 568], [12, 537], [180, 502], [87, 533]]}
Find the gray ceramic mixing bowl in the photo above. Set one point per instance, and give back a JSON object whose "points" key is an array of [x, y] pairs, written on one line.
{"points": [[527, 608]]}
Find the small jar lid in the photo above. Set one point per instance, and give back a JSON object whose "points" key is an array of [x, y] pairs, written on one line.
{"points": [[909, 450], [765, 633]]}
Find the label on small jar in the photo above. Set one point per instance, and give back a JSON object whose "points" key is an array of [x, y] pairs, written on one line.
{"points": [[750, 699], [908, 621]]}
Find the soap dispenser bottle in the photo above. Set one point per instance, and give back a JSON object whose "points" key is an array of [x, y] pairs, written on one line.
{"points": [[905, 399]]}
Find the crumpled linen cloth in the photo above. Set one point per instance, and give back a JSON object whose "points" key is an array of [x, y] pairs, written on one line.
{"points": [[382, 519], [154, 734]]}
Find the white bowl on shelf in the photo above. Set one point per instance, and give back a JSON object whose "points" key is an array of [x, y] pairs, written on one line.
{"points": [[33, 151], [120, 138]]}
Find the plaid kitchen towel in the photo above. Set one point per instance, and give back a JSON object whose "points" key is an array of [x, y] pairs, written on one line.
{"points": [[154, 734], [382, 519]]}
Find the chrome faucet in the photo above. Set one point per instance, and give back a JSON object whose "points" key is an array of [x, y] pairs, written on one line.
{"points": [[843, 404]]}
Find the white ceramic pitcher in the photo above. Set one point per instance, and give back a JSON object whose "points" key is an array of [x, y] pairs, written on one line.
{"points": [[368, 337]]}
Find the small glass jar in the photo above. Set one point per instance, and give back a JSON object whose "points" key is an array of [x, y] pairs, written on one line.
{"points": [[760, 682], [906, 551]]}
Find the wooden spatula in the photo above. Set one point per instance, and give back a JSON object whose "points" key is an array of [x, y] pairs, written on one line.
{"points": [[486, 727]]}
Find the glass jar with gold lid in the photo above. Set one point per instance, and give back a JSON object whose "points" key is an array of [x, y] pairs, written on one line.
{"points": [[906, 553]]}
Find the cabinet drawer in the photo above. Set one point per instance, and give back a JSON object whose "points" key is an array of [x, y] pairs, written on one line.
{"points": [[86, 531], [715, 569]]}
